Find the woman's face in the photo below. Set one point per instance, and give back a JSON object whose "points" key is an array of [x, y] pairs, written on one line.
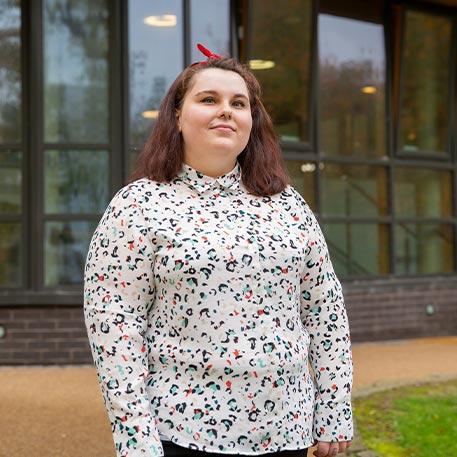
{"points": [[215, 117]]}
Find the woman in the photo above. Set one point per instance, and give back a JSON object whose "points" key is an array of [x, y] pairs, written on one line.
{"points": [[209, 287]]}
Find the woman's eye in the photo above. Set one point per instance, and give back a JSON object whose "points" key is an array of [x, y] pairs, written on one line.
{"points": [[239, 103], [208, 99]]}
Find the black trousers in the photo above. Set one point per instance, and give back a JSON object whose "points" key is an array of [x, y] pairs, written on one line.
{"points": [[173, 450]]}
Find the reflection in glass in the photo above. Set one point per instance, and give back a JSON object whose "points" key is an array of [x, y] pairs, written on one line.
{"points": [[303, 178], [75, 181], [351, 87], [279, 50], [425, 80], [423, 192], [65, 249], [354, 190], [75, 71], [358, 249], [423, 248], [155, 59], [10, 181], [209, 25], [10, 71], [10, 254]]}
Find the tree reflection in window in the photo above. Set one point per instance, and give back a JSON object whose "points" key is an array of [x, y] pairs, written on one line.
{"points": [[351, 87], [279, 53], [425, 83]]}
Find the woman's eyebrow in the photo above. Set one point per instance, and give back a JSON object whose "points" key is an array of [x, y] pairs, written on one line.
{"points": [[213, 92]]}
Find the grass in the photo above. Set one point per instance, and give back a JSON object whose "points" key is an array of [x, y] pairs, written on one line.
{"points": [[414, 421]]}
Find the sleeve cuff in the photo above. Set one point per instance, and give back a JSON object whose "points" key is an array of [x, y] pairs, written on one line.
{"points": [[333, 422], [136, 438]]}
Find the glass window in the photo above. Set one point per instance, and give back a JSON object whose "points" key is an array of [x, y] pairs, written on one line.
{"points": [[351, 87], [75, 71], [66, 245], [209, 25], [10, 181], [303, 178], [10, 254], [10, 71], [358, 249], [423, 193], [75, 181], [354, 190], [425, 82], [279, 53], [156, 56], [423, 248]]}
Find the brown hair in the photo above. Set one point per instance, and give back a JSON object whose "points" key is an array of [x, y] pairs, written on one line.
{"points": [[262, 165]]}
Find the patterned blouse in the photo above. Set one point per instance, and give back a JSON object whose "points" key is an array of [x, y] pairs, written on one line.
{"points": [[216, 320]]}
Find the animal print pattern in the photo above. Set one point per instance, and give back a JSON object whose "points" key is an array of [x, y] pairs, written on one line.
{"points": [[216, 320]]}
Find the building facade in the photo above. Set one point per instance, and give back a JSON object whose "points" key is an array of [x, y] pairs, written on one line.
{"points": [[363, 98]]}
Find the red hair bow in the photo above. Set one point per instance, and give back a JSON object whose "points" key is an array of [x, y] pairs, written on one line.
{"points": [[207, 53]]}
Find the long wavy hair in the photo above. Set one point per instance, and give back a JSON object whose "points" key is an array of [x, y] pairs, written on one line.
{"points": [[263, 168]]}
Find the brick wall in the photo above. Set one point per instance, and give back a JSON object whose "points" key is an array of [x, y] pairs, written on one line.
{"points": [[43, 335], [396, 308], [377, 310]]}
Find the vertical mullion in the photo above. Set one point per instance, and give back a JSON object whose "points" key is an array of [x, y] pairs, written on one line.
{"points": [[233, 32], [315, 111], [455, 215], [115, 97], [391, 128], [35, 140], [401, 72], [453, 132], [186, 32], [313, 105], [451, 84], [392, 225], [25, 148], [247, 31], [124, 84]]}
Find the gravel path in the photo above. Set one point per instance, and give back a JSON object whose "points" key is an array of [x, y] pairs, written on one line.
{"points": [[59, 411]]}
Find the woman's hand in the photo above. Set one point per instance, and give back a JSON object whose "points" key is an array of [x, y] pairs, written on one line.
{"points": [[326, 449]]}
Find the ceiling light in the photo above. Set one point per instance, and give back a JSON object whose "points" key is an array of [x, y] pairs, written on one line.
{"points": [[258, 64], [164, 20], [153, 114], [369, 90], [307, 167]]}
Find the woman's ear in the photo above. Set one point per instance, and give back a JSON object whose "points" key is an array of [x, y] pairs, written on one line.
{"points": [[178, 119]]}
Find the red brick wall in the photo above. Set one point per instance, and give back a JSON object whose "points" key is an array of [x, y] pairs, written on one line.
{"points": [[377, 310]]}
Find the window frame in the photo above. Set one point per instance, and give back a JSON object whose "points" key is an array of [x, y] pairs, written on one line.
{"points": [[393, 160], [290, 145], [22, 146], [32, 291], [423, 154]]}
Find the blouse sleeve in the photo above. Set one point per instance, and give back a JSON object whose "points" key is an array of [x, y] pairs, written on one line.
{"points": [[118, 291], [324, 316]]}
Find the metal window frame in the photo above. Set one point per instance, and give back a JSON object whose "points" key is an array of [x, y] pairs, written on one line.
{"points": [[393, 160], [286, 145], [399, 151], [443, 161], [33, 145], [21, 146], [33, 290]]}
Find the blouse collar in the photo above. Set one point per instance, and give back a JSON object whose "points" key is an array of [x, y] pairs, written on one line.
{"points": [[196, 179]]}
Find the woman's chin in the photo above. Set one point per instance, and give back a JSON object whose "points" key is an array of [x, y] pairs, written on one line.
{"points": [[223, 146]]}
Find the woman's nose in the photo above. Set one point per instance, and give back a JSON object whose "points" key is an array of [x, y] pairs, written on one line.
{"points": [[225, 111]]}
